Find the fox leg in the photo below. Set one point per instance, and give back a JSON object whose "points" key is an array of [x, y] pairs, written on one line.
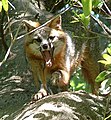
{"points": [[60, 79], [40, 81], [42, 92]]}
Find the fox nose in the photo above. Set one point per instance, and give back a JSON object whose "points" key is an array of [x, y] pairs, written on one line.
{"points": [[45, 46]]}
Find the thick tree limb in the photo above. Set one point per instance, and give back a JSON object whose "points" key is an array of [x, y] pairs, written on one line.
{"points": [[65, 106]]}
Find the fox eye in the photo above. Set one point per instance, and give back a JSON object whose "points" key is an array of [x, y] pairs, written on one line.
{"points": [[51, 37], [38, 39]]}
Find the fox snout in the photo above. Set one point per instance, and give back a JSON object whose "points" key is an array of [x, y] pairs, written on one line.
{"points": [[47, 53], [45, 47]]}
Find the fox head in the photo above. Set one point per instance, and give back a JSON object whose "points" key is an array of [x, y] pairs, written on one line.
{"points": [[45, 43]]}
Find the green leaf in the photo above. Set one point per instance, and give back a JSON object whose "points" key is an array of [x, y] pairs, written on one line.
{"points": [[109, 45], [107, 58], [72, 84], [108, 83], [101, 76], [103, 62], [97, 3], [85, 20], [5, 5], [106, 86], [0, 6], [79, 86], [109, 69], [87, 7], [109, 50]]}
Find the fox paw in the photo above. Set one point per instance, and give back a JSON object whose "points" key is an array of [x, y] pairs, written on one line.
{"points": [[56, 77], [41, 93]]}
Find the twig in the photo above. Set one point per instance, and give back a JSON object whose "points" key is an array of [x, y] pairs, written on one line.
{"points": [[10, 31], [106, 108], [11, 4], [99, 34], [56, 3], [21, 36], [12, 42], [9, 49], [7, 54], [106, 7], [102, 25]]}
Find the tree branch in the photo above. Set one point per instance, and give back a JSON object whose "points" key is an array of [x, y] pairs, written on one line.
{"points": [[106, 7], [102, 25]]}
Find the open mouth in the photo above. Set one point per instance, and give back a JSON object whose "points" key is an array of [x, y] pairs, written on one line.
{"points": [[47, 57]]}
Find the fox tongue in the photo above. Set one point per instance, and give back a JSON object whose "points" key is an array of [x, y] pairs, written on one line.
{"points": [[47, 58]]}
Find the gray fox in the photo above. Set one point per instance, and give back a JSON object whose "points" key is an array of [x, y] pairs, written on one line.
{"points": [[51, 55]]}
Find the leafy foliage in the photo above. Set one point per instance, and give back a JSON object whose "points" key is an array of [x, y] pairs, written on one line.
{"points": [[107, 57], [78, 83], [4, 3], [105, 75], [0, 6], [97, 3], [87, 7]]}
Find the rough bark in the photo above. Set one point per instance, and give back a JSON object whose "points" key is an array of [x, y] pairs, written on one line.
{"points": [[65, 106]]}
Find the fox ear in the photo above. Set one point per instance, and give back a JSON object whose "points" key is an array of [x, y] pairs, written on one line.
{"points": [[30, 25], [56, 23]]}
